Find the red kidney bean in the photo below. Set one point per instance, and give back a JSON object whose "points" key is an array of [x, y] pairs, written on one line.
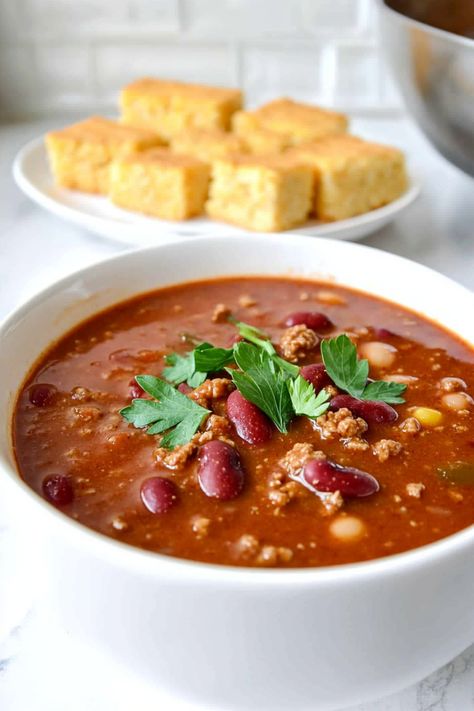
{"points": [[159, 494], [250, 422], [42, 395], [57, 488], [327, 476], [372, 411], [312, 319], [184, 388], [220, 470], [316, 374], [383, 333], [136, 391]]}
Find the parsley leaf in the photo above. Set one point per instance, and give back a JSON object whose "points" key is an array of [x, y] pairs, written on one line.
{"points": [[171, 410], [345, 370], [194, 367], [181, 369], [350, 374], [265, 385], [248, 356], [211, 359], [385, 391], [255, 336], [260, 339], [304, 399]]}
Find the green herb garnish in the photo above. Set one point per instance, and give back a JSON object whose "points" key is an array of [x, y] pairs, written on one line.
{"points": [[170, 412], [260, 339], [193, 368], [350, 373], [280, 396], [304, 399], [264, 384], [261, 375], [385, 391]]}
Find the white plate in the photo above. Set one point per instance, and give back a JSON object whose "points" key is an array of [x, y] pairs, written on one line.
{"points": [[96, 213]]}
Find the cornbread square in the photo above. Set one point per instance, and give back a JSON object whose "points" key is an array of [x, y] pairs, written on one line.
{"points": [[207, 144], [352, 176], [261, 193], [160, 183], [298, 122], [80, 155], [262, 141], [171, 107]]}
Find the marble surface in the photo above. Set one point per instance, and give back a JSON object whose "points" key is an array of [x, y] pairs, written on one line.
{"points": [[41, 668]]}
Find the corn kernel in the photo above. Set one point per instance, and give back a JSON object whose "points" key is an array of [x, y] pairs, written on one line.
{"points": [[427, 416]]}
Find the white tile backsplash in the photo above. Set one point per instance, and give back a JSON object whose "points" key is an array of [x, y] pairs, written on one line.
{"points": [[69, 55], [117, 64], [292, 70], [242, 19], [329, 16], [358, 70]]}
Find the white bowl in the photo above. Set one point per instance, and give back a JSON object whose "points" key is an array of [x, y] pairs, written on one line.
{"points": [[244, 638]]}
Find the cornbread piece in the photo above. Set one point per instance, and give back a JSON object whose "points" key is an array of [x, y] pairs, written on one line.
{"points": [[265, 194], [80, 155], [297, 122], [207, 144], [157, 182], [262, 141], [352, 176], [171, 107]]}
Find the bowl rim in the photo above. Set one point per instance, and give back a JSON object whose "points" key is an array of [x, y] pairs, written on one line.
{"points": [[462, 40], [155, 564]]}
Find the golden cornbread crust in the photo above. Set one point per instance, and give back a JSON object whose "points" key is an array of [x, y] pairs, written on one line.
{"points": [[160, 183], [207, 144], [171, 107], [296, 121], [265, 194], [352, 176], [80, 154]]}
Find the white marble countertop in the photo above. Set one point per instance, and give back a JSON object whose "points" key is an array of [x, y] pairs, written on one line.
{"points": [[41, 668]]}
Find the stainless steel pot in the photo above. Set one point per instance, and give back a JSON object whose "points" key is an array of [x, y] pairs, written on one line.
{"points": [[434, 69]]}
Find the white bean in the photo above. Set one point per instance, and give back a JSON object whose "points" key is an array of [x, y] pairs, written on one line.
{"points": [[347, 528], [379, 355], [400, 378], [451, 385], [457, 401]]}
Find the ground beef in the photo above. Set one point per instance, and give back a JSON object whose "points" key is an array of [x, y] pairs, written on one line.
{"points": [[296, 458], [356, 444], [218, 425], [211, 390], [333, 502], [410, 426], [246, 301], [343, 425], [200, 526], [415, 489], [176, 458], [385, 448], [86, 413], [272, 555], [297, 341], [221, 313], [282, 493]]}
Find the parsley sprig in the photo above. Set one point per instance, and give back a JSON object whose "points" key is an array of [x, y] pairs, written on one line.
{"points": [[351, 374], [170, 410], [273, 388], [261, 375], [194, 367], [260, 339]]}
